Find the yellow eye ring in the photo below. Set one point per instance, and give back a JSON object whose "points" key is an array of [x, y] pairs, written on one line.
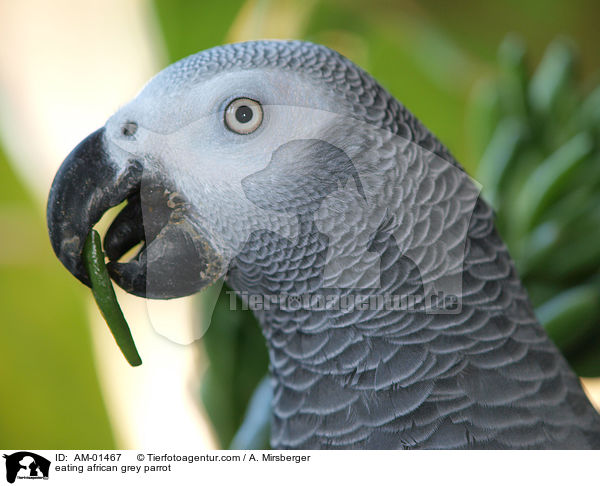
{"points": [[243, 115]]}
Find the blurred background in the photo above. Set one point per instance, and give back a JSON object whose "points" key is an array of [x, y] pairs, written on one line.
{"points": [[512, 88]]}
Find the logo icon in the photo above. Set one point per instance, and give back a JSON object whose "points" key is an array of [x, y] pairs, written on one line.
{"points": [[27, 465]]}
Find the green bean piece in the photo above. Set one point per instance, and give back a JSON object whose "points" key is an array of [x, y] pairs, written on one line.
{"points": [[106, 299]]}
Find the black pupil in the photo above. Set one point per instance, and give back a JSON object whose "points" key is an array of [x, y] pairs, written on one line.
{"points": [[243, 114]]}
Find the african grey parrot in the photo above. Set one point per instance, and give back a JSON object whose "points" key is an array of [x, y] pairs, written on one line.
{"points": [[288, 170]]}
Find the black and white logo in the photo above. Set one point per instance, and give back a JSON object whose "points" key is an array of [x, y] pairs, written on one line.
{"points": [[26, 465]]}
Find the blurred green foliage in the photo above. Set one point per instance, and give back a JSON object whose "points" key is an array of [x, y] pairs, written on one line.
{"points": [[190, 26], [50, 393]]}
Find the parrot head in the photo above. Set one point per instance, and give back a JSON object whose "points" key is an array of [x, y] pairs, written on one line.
{"points": [[214, 147]]}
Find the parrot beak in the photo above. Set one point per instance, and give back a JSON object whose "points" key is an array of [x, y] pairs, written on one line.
{"points": [[176, 259], [85, 187]]}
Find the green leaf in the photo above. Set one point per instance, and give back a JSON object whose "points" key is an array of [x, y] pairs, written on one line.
{"points": [[545, 184], [513, 76], [552, 77], [499, 156], [569, 317]]}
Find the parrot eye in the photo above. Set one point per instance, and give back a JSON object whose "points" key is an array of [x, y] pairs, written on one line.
{"points": [[243, 115]]}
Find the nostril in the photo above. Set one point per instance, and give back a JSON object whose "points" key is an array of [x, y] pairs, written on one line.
{"points": [[129, 129]]}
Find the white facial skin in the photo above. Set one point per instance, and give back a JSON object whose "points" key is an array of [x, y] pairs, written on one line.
{"points": [[183, 136]]}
